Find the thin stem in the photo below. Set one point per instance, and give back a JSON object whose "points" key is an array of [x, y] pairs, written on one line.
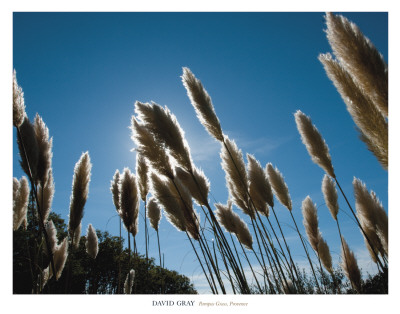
{"points": [[201, 264]]}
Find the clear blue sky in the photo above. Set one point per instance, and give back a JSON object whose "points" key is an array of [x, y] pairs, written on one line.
{"points": [[82, 72]]}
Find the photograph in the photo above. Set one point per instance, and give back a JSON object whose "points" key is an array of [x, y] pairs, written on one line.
{"points": [[198, 158]]}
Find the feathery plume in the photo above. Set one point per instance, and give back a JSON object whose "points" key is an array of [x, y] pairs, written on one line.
{"points": [[154, 213], [371, 124], [161, 189], [315, 144], [310, 222], [129, 282], [60, 257], [20, 201], [115, 190], [234, 224], [288, 287], [236, 175], [44, 276], [166, 130], [325, 255], [150, 149], [141, 173], [18, 103], [129, 201], [202, 104], [77, 236], [279, 186], [52, 236], [28, 141], [45, 196], [381, 223], [198, 191], [177, 205], [92, 245], [330, 195], [350, 266], [80, 191], [360, 58], [372, 216], [45, 149], [259, 188]]}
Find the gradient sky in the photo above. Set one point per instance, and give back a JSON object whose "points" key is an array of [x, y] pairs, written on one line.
{"points": [[82, 72]]}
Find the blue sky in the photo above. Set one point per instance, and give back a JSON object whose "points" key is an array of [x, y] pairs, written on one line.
{"points": [[82, 72]]}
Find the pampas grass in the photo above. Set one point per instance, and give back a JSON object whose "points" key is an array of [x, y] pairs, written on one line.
{"points": [[199, 189], [259, 186], [234, 224], [142, 176], [18, 103], [372, 217], [202, 104], [330, 195], [45, 196], [350, 266], [129, 282], [129, 201], [236, 175], [324, 254], [80, 191], [279, 186], [311, 222], [371, 124], [20, 201], [60, 257], [360, 58], [52, 235], [315, 144], [166, 130], [115, 190], [45, 145], [154, 213], [28, 148], [92, 245], [150, 149]]}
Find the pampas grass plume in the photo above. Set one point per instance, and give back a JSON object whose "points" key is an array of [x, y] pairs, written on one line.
{"points": [[28, 141], [371, 124], [350, 266], [129, 282], [60, 257], [236, 175], [129, 201], [360, 58], [115, 190], [18, 103], [45, 196], [142, 176], [198, 191], [20, 201], [150, 149], [234, 224], [52, 236], [310, 222], [325, 255], [45, 145], [202, 104], [330, 195], [315, 144], [80, 191], [279, 186], [92, 245], [166, 130], [154, 213], [259, 188]]}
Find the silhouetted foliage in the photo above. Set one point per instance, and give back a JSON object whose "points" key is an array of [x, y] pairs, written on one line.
{"points": [[87, 275]]}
